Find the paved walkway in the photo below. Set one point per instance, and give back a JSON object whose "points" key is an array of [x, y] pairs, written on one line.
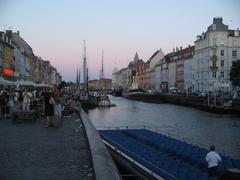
{"points": [[32, 152]]}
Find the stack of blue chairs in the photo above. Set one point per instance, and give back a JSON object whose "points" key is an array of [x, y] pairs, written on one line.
{"points": [[165, 156]]}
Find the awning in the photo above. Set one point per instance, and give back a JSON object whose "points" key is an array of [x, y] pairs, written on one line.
{"points": [[6, 82], [24, 83], [41, 85]]}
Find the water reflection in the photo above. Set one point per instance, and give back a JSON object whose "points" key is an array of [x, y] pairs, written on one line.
{"points": [[192, 125]]}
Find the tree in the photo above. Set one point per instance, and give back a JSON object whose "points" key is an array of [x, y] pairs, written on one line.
{"points": [[62, 85], [235, 73]]}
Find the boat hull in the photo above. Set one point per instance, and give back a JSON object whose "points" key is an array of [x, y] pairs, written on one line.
{"points": [[145, 97]]}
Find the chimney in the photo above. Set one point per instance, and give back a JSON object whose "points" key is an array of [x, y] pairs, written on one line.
{"points": [[18, 33], [217, 20], [176, 49], [236, 32], [180, 48], [189, 46]]}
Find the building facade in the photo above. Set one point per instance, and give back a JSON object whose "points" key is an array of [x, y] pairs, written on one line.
{"points": [[7, 57], [215, 50]]}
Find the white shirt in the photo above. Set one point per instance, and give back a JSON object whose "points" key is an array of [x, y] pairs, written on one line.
{"points": [[213, 159]]}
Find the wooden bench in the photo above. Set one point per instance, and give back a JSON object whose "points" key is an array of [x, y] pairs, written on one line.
{"points": [[24, 116]]}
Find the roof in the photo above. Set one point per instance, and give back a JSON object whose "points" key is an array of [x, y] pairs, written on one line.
{"points": [[217, 25], [154, 54], [136, 58]]}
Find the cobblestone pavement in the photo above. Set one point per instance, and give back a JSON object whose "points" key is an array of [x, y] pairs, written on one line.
{"points": [[28, 151]]}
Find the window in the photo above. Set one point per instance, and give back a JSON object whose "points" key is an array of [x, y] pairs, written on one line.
{"points": [[214, 63], [214, 27], [222, 63], [234, 53], [222, 52], [222, 74], [214, 42], [214, 74]]}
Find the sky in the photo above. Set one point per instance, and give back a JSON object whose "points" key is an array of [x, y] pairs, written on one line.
{"points": [[56, 29]]}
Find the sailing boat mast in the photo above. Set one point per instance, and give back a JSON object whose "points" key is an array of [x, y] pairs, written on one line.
{"points": [[84, 65], [102, 75], [77, 78]]}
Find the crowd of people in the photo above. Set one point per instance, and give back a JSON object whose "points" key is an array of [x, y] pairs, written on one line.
{"points": [[25, 99]]}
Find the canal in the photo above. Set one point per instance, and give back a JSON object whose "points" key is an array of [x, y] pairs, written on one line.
{"points": [[184, 123]]}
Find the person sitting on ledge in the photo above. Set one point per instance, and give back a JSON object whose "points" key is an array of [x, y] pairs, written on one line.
{"points": [[213, 159]]}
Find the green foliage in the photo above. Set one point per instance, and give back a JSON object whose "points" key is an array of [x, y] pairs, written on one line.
{"points": [[235, 73]]}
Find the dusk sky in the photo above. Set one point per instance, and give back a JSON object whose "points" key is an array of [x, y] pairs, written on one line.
{"points": [[56, 29]]}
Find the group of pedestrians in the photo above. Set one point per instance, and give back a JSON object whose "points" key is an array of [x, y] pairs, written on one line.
{"points": [[28, 99], [18, 99]]}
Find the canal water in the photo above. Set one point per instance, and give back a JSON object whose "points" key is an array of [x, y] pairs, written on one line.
{"points": [[191, 125]]}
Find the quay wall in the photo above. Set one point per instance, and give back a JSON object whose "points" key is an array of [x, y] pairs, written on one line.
{"points": [[216, 105], [203, 103], [236, 105], [104, 166]]}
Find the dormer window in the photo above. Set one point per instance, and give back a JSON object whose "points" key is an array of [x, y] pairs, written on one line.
{"points": [[214, 27]]}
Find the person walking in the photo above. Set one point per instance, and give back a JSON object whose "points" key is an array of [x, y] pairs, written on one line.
{"points": [[57, 99], [48, 107], [27, 96], [3, 103], [213, 159], [20, 100]]}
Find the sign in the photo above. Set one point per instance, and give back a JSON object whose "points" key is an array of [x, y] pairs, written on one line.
{"points": [[16, 74], [8, 72]]}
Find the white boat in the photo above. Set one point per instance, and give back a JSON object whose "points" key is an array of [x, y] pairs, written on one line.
{"points": [[103, 99], [105, 102]]}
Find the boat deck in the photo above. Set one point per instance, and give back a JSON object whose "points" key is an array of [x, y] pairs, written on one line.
{"points": [[162, 156]]}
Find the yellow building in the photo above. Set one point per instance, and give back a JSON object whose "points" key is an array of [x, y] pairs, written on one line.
{"points": [[8, 67]]}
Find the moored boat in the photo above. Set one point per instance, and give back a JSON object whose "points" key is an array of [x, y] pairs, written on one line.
{"points": [[141, 95], [161, 156], [105, 102]]}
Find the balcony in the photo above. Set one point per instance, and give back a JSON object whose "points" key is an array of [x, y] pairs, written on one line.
{"points": [[214, 46], [213, 68], [214, 57]]}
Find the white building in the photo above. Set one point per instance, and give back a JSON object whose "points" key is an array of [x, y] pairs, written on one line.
{"points": [[215, 50], [114, 78], [153, 74], [188, 74], [124, 78]]}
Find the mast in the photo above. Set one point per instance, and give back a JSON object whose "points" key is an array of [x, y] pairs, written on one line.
{"points": [[102, 75], [79, 77], [77, 80], [84, 65]]}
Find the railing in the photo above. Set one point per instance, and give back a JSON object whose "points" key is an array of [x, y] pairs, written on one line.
{"points": [[213, 68], [214, 57]]}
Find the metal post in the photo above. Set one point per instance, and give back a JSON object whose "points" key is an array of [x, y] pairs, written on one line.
{"points": [[214, 95], [208, 93]]}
